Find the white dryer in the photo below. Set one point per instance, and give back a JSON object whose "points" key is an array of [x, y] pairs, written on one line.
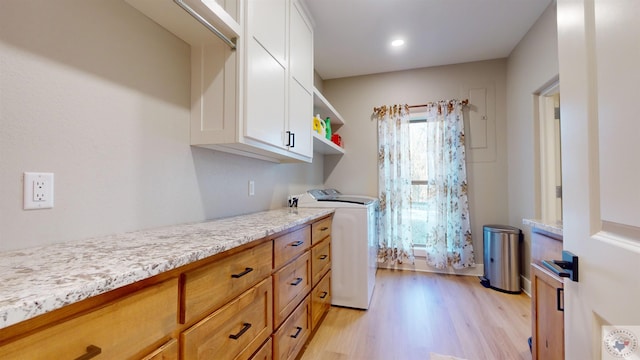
{"points": [[354, 244]]}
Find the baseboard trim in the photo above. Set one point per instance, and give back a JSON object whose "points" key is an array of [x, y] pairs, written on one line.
{"points": [[421, 266], [526, 285]]}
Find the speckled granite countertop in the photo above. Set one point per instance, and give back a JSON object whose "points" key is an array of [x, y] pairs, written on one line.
{"points": [[42, 279], [553, 227]]}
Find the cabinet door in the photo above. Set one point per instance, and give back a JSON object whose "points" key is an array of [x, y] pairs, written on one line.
{"points": [[265, 100], [267, 24], [266, 72], [548, 321], [235, 331], [320, 260], [168, 351], [320, 300], [119, 330], [301, 49], [209, 287], [293, 334], [291, 284], [300, 119]]}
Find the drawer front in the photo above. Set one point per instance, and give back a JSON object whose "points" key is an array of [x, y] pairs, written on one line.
{"points": [[236, 330], [207, 288], [265, 352], [320, 230], [168, 351], [291, 284], [120, 330], [291, 337], [320, 300], [320, 260], [288, 246]]}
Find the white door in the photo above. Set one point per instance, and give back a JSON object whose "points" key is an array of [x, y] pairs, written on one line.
{"points": [[599, 58]]}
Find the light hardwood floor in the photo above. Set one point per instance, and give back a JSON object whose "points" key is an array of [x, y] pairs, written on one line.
{"points": [[413, 314]]}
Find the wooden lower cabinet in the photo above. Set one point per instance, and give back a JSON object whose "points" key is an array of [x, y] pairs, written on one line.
{"points": [[547, 319], [118, 330], [254, 303], [236, 330], [293, 334]]}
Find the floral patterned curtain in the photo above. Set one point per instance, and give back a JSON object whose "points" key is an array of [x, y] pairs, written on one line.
{"points": [[394, 185], [448, 230]]}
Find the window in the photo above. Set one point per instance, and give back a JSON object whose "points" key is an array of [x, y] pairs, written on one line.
{"points": [[418, 130]]}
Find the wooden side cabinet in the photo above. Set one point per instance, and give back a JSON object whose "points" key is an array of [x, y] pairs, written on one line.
{"points": [[547, 314], [547, 299]]}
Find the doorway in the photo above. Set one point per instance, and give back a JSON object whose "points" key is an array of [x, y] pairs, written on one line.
{"points": [[550, 154]]}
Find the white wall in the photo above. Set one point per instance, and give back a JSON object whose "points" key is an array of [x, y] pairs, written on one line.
{"points": [[98, 94], [355, 98], [530, 67]]}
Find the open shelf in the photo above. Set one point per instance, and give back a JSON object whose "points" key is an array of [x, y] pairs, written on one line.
{"points": [[324, 108], [173, 18], [323, 146]]}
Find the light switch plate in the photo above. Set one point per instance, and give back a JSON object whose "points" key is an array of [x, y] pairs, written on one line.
{"points": [[38, 190]]}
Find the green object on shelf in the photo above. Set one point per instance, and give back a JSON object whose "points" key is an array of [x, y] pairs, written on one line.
{"points": [[328, 123]]}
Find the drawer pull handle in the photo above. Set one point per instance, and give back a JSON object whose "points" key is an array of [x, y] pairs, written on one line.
{"points": [[297, 243], [92, 351], [245, 272], [244, 329], [297, 332], [324, 229], [559, 299], [298, 281], [322, 257], [324, 295]]}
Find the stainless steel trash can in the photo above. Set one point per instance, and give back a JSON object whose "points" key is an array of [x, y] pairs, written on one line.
{"points": [[502, 258]]}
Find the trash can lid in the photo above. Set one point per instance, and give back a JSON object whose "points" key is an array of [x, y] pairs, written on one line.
{"points": [[502, 228]]}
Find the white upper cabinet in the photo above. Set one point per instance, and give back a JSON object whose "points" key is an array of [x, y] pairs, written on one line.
{"points": [[255, 99], [278, 112]]}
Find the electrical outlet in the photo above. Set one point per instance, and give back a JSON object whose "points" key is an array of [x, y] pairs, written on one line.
{"points": [[38, 190], [252, 188]]}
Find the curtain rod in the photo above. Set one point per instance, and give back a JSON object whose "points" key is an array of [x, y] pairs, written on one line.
{"points": [[464, 102]]}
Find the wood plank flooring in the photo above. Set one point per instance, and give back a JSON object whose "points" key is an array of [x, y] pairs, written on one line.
{"points": [[413, 314]]}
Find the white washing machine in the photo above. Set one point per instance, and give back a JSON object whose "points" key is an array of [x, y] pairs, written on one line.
{"points": [[354, 244]]}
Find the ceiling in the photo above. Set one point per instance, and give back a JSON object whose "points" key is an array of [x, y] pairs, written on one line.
{"points": [[352, 37]]}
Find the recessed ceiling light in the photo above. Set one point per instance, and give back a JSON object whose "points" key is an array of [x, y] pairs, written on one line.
{"points": [[397, 42]]}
